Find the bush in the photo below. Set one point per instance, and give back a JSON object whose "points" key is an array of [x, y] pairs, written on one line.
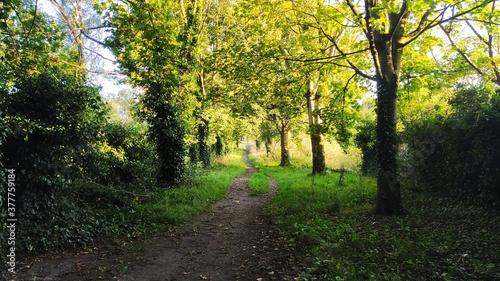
{"points": [[124, 156], [366, 141], [458, 154], [53, 118]]}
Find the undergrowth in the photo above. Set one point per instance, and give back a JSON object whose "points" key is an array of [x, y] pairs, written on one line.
{"points": [[333, 225]]}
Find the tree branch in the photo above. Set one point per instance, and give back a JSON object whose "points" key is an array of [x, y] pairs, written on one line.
{"points": [[461, 52], [98, 54], [435, 22], [357, 15], [476, 32], [34, 19]]}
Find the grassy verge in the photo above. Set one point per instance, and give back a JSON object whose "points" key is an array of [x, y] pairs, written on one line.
{"points": [[156, 210], [342, 240], [258, 183]]}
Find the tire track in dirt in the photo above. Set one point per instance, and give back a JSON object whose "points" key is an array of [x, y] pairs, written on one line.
{"points": [[233, 240]]}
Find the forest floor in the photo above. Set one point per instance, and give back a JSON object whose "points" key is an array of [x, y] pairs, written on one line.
{"points": [[234, 240]]}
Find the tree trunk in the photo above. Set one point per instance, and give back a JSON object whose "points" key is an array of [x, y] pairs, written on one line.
{"points": [[203, 148], [388, 185], [317, 147], [318, 154], [218, 145], [267, 144], [387, 50], [285, 156]]}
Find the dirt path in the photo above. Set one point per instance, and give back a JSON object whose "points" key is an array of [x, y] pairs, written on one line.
{"points": [[231, 241]]}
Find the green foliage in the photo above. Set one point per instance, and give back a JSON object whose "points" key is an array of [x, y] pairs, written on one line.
{"points": [[339, 238], [123, 156], [168, 133], [463, 145], [258, 184], [54, 118], [138, 213], [56, 223], [147, 51], [365, 140]]}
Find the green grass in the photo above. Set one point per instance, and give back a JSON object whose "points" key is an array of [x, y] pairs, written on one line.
{"points": [[340, 239], [180, 205], [258, 183], [138, 213]]}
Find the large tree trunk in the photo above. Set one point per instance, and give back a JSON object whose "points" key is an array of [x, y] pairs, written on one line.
{"points": [[388, 185], [285, 156], [387, 50], [388, 54], [317, 147]]}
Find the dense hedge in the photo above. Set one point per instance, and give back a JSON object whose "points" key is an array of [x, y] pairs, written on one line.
{"points": [[53, 118], [458, 154]]}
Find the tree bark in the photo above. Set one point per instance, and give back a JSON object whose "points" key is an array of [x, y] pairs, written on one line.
{"points": [[388, 185], [318, 154], [285, 156], [203, 148], [387, 51], [317, 147], [218, 145]]}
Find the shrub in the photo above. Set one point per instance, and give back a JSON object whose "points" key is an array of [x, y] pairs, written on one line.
{"points": [[53, 118], [458, 154], [366, 140], [124, 156]]}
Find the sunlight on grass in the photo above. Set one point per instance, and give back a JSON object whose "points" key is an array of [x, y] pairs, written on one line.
{"points": [[341, 239], [176, 206]]}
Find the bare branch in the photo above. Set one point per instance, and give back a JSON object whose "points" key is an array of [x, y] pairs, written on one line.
{"points": [[100, 55], [476, 32], [94, 40], [113, 73], [73, 28], [438, 20], [343, 55], [34, 19], [461, 52]]}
